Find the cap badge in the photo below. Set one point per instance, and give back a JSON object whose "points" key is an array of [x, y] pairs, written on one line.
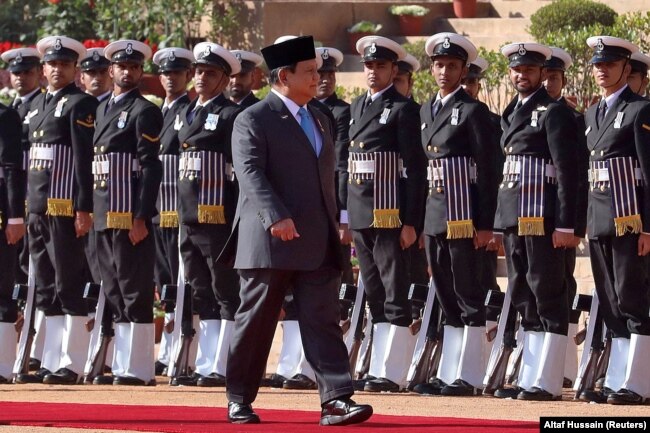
{"points": [[522, 50], [172, 56], [325, 54], [129, 48], [446, 43], [206, 52], [95, 56], [600, 46], [373, 48], [238, 55], [19, 58], [57, 44]]}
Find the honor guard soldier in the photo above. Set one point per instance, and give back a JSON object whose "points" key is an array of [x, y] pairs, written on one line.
{"points": [[59, 180], [207, 200], [94, 74], [175, 69], [638, 78], [403, 81], [12, 229], [127, 175], [283, 151], [385, 201], [487, 257], [536, 212], [25, 72], [555, 69], [618, 133], [240, 87], [457, 139]]}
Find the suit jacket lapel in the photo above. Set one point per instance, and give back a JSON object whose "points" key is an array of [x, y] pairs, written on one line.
{"points": [[326, 139], [523, 113], [105, 120], [612, 112], [445, 111], [289, 122], [427, 120]]}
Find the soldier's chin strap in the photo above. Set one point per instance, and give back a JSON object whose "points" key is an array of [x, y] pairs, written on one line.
{"points": [[627, 60]]}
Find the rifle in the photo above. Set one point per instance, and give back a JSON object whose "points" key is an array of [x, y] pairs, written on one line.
{"points": [[356, 297], [504, 342], [28, 332], [97, 356], [426, 354], [589, 363]]}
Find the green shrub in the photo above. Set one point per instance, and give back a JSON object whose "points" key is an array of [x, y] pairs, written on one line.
{"points": [[573, 14], [365, 27], [414, 10]]}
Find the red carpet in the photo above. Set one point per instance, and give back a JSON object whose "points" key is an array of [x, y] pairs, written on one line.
{"points": [[183, 419]]}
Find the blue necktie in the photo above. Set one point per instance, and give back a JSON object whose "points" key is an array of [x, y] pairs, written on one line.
{"points": [[307, 125]]}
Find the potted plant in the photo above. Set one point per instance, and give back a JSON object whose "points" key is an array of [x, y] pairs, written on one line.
{"points": [[410, 18], [465, 8], [359, 30]]}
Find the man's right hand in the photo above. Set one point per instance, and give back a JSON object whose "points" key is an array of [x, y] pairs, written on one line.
{"points": [[14, 232], [284, 229]]}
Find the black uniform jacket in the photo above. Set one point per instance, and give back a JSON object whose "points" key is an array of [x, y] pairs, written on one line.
{"points": [[74, 127], [471, 135], [249, 100], [397, 132], [12, 179], [553, 138], [341, 112], [630, 138], [195, 137], [139, 136]]}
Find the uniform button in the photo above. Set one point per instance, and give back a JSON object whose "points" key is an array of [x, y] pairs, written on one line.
{"points": [[502, 185], [439, 190], [185, 145], [510, 149], [42, 133], [94, 186], [96, 149], [602, 152], [511, 184], [358, 181], [602, 187], [103, 184], [352, 143], [435, 149], [361, 145], [191, 177], [429, 148], [102, 149], [593, 152], [35, 134]]}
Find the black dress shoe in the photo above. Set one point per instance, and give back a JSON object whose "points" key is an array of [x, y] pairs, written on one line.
{"points": [[212, 380], [186, 380], [299, 381], [239, 413], [273, 381], [131, 381], [625, 396], [381, 385], [537, 394], [591, 395], [431, 388], [34, 364], [460, 388], [344, 412], [103, 380], [3, 380], [567, 383], [33, 378], [159, 368], [508, 392], [63, 376], [359, 384]]}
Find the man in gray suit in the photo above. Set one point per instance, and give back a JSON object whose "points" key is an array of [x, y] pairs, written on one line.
{"points": [[283, 154]]}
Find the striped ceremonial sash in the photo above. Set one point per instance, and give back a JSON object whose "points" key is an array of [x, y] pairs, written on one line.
{"points": [[168, 193], [458, 174], [211, 171], [58, 159], [531, 199], [623, 180], [386, 191], [116, 172]]}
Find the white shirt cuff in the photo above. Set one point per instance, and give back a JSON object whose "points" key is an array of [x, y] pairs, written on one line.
{"points": [[565, 230], [344, 217], [16, 221]]}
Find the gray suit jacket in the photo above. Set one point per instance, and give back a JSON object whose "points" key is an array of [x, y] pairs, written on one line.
{"points": [[281, 177]]}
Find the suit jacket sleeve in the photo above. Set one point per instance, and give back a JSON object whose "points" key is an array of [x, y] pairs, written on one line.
{"points": [[11, 157], [82, 118], [342, 152], [561, 133], [485, 157], [148, 127], [249, 151], [415, 162], [641, 141], [583, 181]]}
